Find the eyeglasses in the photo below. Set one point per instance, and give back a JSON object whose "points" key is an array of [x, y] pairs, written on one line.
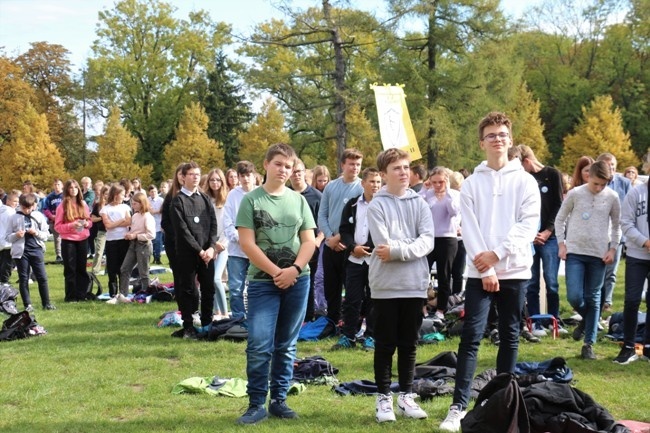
{"points": [[216, 179], [493, 137]]}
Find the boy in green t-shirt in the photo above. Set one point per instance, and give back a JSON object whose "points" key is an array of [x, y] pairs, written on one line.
{"points": [[276, 231]]}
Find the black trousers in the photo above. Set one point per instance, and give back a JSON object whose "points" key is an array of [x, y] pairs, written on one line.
{"points": [[115, 253], [333, 277], [6, 264], [357, 300], [189, 268], [313, 267], [443, 255], [397, 326], [75, 255]]}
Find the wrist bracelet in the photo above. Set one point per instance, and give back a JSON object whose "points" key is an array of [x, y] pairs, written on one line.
{"points": [[298, 268]]}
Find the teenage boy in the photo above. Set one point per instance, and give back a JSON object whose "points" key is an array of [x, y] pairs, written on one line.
{"points": [[418, 174], [237, 264], [276, 231], [313, 196], [549, 181], [401, 227], [500, 208], [356, 236], [7, 212], [335, 195], [195, 227], [50, 204]]}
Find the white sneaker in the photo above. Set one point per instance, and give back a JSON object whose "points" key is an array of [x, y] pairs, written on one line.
{"points": [[452, 422], [121, 299], [409, 408], [112, 301], [384, 408], [539, 331]]}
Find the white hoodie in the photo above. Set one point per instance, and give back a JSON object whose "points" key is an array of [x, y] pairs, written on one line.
{"points": [[500, 212], [6, 212]]}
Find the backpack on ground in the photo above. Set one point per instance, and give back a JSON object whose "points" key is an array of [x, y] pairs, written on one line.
{"points": [[321, 328], [17, 326]]}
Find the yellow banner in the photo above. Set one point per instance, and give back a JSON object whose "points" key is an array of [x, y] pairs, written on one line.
{"points": [[395, 126]]}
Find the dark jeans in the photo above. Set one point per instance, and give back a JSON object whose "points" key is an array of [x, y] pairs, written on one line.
{"points": [[313, 268], [333, 276], [443, 255], [115, 253], [75, 255], [397, 326], [546, 255], [35, 262], [509, 301], [458, 268], [190, 267], [357, 296], [6, 264], [636, 273], [157, 245]]}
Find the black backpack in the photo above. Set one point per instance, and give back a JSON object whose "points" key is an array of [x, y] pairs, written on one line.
{"points": [[17, 326]]}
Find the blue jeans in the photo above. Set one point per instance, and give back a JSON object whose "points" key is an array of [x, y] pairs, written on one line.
{"points": [[636, 273], [510, 301], [546, 254], [220, 303], [584, 278], [274, 321], [237, 268], [157, 245], [607, 288]]}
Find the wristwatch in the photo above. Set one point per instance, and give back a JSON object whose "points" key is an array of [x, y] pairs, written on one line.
{"points": [[298, 268]]}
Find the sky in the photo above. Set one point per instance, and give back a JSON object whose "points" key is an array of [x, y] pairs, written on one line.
{"points": [[71, 23]]}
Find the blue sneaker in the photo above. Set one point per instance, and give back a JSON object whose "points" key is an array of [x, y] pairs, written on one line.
{"points": [[253, 415], [279, 409], [344, 343], [368, 344]]}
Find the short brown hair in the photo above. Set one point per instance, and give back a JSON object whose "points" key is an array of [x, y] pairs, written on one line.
{"points": [[369, 171], [281, 149], [494, 118], [352, 154], [389, 156], [244, 167], [419, 170], [601, 170]]}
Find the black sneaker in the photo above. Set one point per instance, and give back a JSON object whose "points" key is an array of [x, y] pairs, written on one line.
{"points": [[579, 333], [626, 355], [646, 354], [494, 337], [587, 352], [49, 307], [190, 334], [59, 259], [529, 337], [178, 333], [253, 415], [279, 409]]}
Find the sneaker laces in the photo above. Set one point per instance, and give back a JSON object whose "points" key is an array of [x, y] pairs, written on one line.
{"points": [[408, 400], [385, 403]]}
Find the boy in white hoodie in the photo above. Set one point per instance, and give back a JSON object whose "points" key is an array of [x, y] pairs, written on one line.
{"points": [[401, 228], [500, 210]]}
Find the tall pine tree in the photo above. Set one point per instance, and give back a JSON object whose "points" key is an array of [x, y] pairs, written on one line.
{"points": [[227, 108]]}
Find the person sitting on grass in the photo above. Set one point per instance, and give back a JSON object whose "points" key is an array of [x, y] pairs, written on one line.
{"points": [[28, 233]]}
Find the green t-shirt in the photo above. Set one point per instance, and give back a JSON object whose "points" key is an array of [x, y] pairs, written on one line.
{"points": [[277, 222]]}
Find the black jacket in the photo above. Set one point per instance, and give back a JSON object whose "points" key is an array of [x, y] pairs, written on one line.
{"points": [[348, 225]]}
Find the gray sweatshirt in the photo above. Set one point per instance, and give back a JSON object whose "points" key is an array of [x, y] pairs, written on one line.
{"points": [[634, 222], [589, 223], [405, 225]]}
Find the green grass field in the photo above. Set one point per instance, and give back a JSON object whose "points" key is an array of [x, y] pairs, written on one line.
{"points": [[107, 368]]}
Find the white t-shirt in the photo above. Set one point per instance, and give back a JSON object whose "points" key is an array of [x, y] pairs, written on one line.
{"points": [[115, 213]]}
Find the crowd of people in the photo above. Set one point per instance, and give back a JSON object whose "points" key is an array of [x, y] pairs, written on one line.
{"points": [[289, 243]]}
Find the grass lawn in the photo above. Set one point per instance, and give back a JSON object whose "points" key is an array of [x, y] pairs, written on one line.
{"points": [[107, 368]]}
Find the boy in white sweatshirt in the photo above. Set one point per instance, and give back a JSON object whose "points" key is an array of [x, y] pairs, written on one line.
{"points": [[500, 209]]}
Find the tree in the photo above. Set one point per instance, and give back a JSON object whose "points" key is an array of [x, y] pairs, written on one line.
{"points": [[453, 30], [600, 130], [316, 65], [146, 61], [15, 95], [267, 129], [361, 135], [115, 157], [527, 125], [30, 154], [226, 107], [192, 142]]}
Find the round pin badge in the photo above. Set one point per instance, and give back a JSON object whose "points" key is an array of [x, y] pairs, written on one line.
{"points": [[586, 215], [196, 219], [544, 189]]}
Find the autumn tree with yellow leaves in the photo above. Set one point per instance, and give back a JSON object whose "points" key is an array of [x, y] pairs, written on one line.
{"points": [[192, 143], [116, 150], [600, 130], [267, 129]]}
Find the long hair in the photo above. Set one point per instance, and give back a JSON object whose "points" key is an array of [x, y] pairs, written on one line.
{"points": [[73, 206], [141, 198], [103, 198], [116, 189], [582, 162], [176, 186], [218, 195]]}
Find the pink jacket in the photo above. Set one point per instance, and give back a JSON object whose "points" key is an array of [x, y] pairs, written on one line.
{"points": [[68, 230]]}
